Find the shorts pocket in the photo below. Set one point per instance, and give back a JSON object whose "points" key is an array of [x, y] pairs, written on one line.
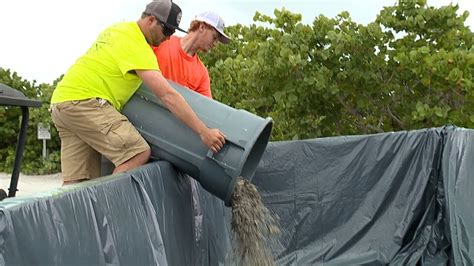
{"points": [[118, 133]]}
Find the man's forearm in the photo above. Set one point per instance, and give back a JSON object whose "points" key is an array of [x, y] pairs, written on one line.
{"points": [[174, 101], [213, 138], [181, 109]]}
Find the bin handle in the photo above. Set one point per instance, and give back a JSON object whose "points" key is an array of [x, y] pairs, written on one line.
{"points": [[210, 153]]}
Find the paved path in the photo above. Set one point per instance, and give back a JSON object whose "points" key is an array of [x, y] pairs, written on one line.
{"points": [[31, 184]]}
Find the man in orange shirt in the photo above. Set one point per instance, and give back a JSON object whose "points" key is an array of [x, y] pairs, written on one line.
{"points": [[178, 58]]}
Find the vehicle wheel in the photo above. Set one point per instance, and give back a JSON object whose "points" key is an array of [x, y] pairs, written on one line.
{"points": [[3, 194]]}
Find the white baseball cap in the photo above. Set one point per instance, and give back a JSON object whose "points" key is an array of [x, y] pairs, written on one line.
{"points": [[216, 22]]}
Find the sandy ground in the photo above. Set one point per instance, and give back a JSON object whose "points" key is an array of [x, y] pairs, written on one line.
{"points": [[31, 184]]}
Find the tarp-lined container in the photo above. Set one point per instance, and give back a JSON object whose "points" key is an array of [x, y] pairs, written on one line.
{"points": [[247, 136], [396, 198]]}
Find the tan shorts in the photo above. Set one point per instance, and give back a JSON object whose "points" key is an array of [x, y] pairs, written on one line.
{"points": [[89, 128]]}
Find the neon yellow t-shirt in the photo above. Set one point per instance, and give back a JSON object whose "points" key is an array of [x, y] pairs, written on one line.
{"points": [[106, 69]]}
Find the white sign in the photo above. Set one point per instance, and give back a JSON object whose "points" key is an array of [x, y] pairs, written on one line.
{"points": [[43, 131]]}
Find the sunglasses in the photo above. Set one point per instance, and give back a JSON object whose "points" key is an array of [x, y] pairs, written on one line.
{"points": [[167, 29]]}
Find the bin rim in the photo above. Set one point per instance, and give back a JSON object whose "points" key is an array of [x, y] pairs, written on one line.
{"points": [[245, 154]]}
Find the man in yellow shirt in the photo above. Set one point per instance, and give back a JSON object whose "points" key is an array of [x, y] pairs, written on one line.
{"points": [[87, 102]]}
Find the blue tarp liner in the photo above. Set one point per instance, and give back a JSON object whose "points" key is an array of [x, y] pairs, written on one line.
{"points": [[398, 198]]}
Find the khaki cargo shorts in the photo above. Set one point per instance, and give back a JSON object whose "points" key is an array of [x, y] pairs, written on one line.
{"points": [[89, 128]]}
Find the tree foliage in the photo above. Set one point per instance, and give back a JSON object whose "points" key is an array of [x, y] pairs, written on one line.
{"points": [[411, 68]]}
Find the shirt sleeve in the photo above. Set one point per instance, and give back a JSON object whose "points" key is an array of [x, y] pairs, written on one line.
{"points": [[132, 54]]}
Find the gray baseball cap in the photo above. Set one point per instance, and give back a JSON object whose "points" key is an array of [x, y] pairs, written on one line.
{"points": [[166, 11], [216, 22]]}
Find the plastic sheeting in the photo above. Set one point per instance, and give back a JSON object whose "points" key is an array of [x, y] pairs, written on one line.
{"points": [[373, 200], [146, 217], [397, 198], [458, 176]]}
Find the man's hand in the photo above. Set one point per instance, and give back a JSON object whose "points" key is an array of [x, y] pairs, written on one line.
{"points": [[213, 138]]}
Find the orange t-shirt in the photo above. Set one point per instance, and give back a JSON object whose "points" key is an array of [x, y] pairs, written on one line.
{"points": [[181, 68]]}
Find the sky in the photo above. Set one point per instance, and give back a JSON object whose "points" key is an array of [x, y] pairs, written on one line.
{"points": [[40, 40]]}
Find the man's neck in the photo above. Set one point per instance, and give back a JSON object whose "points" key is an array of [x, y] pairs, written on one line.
{"points": [[188, 44]]}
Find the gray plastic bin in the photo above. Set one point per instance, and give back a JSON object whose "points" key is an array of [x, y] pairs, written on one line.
{"points": [[171, 140]]}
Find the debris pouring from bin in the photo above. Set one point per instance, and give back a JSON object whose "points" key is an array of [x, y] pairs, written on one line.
{"points": [[253, 225]]}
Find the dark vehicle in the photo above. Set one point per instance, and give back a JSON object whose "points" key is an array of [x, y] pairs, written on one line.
{"points": [[12, 97]]}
